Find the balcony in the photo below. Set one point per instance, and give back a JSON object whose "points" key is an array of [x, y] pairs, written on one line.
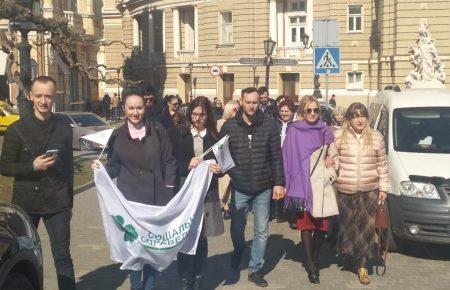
{"points": [[186, 55], [75, 20], [291, 52]]}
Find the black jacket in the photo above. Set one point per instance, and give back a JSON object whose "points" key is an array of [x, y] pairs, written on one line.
{"points": [[259, 164], [143, 167], [183, 150], [42, 192]]}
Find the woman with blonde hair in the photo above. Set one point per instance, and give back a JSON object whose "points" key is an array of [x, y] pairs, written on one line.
{"points": [[362, 182], [224, 182], [308, 153], [338, 117]]}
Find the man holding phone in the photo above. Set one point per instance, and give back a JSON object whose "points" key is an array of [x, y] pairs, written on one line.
{"points": [[37, 152]]}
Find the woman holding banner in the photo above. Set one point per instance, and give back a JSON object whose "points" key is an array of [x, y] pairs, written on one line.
{"points": [[140, 156], [189, 143]]}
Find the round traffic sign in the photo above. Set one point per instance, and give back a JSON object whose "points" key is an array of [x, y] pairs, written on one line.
{"points": [[215, 70]]}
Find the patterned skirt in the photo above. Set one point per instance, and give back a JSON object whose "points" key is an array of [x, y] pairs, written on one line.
{"points": [[357, 223]]}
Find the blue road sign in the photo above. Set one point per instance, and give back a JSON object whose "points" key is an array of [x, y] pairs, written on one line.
{"points": [[326, 60]]}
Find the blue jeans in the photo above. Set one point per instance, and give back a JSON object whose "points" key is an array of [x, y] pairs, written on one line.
{"points": [[241, 204], [143, 279]]}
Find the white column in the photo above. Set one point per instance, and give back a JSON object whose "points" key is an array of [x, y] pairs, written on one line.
{"points": [[176, 32], [196, 30], [280, 24], [135, 32], [151, 34], [309, 20], [273, 20]]}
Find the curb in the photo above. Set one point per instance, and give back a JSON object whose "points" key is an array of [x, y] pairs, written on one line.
{"points": [[84, 187]]}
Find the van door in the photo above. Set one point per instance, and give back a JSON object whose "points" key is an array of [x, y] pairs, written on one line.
{"points": [[374, 111]]}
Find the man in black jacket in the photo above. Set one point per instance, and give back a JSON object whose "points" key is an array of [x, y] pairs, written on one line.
{"points": [[43, 182], [255, 147]]}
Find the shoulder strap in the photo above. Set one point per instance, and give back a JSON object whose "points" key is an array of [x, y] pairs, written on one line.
{"points": [[317, 161]]}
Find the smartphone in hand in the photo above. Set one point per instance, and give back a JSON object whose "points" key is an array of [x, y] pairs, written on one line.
{"points": [[51, 153]]}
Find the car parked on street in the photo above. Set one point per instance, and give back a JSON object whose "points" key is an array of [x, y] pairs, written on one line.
{"points": [[416, 127], [20, 251], [84, 123], [8, 115]]}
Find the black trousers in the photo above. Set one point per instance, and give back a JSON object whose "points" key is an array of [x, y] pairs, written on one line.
{"points": [[58, 229], [191, 266]]}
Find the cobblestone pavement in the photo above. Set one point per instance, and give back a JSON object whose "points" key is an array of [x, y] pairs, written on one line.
{"points": [[419, 267]]}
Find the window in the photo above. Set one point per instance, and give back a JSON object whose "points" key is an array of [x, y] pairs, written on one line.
{"points": [[354, 80], [355, 14], [298, 5], [297, 28], [422, 130], [226, 28]]}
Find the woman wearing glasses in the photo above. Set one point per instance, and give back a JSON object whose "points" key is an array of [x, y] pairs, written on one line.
{"points": [[363, 181], [308, 154], [189, 142], [173, 112]]}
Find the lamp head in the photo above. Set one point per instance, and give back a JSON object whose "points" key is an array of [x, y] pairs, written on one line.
{"points": [[269, 46]]}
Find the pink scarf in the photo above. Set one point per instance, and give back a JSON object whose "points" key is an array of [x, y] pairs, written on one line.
{"points": [[136, 131]]}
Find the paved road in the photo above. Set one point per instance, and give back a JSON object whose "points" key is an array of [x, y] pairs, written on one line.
{"points": [[418, 268]]}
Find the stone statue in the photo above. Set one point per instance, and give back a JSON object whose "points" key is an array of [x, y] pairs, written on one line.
{"points": [[428, 70]]}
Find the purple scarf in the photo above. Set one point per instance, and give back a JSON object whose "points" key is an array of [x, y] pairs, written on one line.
{"points": [[302, 139]]}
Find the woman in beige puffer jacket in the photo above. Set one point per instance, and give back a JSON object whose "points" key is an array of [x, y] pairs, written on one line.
{"points": [[362, 181]]}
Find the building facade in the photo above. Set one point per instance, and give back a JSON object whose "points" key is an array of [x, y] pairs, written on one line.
{"points": [[173, 44], [74, 91]]}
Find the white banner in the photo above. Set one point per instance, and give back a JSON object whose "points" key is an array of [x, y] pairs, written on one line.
{"points": [[101, 137], [140, 234], [222, 152]]}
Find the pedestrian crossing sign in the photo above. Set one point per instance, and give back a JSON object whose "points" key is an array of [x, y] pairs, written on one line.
{"points": [[326, 60]]}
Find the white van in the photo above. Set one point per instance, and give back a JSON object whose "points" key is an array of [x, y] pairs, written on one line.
{"points": [[416, 127]]}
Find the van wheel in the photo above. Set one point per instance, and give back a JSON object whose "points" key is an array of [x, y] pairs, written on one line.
{"points": [[15, 281], [86, 145]]}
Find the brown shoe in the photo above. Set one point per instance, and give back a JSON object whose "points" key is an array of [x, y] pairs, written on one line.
{"points": [[363, 276]]}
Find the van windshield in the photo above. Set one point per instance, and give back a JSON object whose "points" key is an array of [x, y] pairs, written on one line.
{"points": [[422, 130]]}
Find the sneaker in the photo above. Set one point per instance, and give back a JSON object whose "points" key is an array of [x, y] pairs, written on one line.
{"points": [[257, 279], [236, 259]]}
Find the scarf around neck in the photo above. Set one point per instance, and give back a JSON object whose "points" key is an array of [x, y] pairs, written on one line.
{"points": [[302, 139]]}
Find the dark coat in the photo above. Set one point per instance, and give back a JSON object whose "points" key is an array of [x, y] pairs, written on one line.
{"points": [[259, 164], [42, 192], [183, 150], [143, 167]]}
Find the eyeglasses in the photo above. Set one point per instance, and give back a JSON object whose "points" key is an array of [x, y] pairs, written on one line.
{"points": [[315, 110], [174, 104], [201, 116], [149, 100]]}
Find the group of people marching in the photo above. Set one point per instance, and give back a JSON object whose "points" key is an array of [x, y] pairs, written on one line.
{"points": [[291, 160]]}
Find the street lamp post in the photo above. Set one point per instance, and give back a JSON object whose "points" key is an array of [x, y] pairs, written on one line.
{"points": [[191, 68], [307, 44], [24, 47], [269, 46]]}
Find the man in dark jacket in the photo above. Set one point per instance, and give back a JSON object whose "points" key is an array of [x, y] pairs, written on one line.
{"points": [[267, 105], [43, 182], [106, 105], [255, 147]]}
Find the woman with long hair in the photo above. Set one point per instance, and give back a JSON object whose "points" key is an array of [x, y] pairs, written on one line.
{"points": [[189, 142], [362, 182], [140, 156], [229, 112], [308, 153]]}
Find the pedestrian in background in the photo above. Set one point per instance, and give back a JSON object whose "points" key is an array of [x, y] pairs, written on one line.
{"points": [[362, 182], [332, 101], [106, 104], [338, 117], [43, 182], [255, 145], [229, 112], [115, 106], [308, 153], [140, 156], [267, 105], [172, 112], [189, 142]]}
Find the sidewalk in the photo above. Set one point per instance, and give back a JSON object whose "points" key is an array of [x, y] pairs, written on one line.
{"points": [[95, 271]]}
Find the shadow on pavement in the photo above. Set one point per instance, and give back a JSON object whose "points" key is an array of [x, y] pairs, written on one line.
{"points": [[426, 251], [104, 278]]}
